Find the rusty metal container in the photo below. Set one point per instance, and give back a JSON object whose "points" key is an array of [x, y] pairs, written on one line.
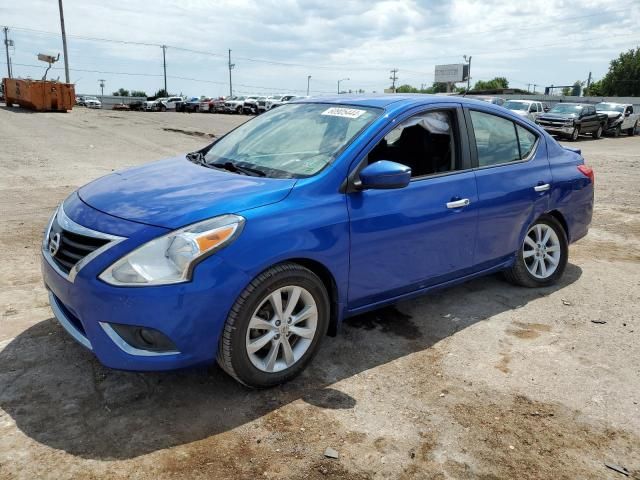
{"points": [[39, 95]]}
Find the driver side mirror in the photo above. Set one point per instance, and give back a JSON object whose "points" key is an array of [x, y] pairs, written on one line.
{"points": [[383, 175]]}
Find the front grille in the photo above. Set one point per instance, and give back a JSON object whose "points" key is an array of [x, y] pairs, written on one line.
{"points": [[68, 248], [552, 123]]}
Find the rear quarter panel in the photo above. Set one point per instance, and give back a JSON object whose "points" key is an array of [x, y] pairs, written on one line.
{"points": [[572, 193]]}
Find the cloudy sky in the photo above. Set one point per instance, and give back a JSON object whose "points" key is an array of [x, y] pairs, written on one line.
{"points": [[277, 44]]}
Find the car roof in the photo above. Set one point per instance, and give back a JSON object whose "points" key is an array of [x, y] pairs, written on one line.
{"points": [[397, 100]]}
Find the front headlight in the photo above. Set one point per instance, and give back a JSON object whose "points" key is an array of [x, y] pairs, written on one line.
{"points": [[171, 258]]}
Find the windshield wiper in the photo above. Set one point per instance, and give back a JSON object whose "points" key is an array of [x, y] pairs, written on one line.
{"points": [[234, 167]]}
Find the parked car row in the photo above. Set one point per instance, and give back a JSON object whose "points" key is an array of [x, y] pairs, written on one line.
{"points": [[570, 120], [88, 101], [238, 104]]}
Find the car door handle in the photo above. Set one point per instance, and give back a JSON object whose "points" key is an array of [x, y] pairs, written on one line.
{"points": [[542, 188], [458, 203]]}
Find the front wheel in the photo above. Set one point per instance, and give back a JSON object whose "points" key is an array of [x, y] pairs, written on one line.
{"points": [[617, 131], [542, 257], [275, 327], [575, 134], [632, 131]]}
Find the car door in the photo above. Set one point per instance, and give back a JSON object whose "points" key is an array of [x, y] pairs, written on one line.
{"points": [[406, 239], [590, 121], [514, 180]]}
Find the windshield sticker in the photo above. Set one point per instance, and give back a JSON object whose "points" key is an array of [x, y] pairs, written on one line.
{"points": [[343, 112]]}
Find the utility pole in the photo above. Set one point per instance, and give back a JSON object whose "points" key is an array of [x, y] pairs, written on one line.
{"points": [[588, 82], [64, 43], [468, 71], [394, 78], [534, 87], [7, 42], [102, 80], [341, 80], [231, 67], [164, 65], [308, 81]]}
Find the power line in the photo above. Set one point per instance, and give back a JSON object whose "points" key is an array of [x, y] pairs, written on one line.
{"points": [[341, 66]]}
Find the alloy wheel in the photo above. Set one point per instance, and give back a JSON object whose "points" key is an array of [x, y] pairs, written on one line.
{"points": [[281, 329], [541, 251]]}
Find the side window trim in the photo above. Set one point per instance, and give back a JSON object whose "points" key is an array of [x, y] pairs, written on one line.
{"points": [[473, 151]]}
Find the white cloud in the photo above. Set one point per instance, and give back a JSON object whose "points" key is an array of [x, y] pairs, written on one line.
{"points": [[362, 40]]}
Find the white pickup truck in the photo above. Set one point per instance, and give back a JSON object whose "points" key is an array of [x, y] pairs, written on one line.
{"points": [[621, 118]]}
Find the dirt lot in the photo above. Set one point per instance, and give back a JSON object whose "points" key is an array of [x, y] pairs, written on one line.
{"points": [[485, 380]]}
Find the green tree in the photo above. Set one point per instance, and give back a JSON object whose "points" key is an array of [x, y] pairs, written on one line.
{"points": [[494, 84], [138, 93], [406, 89], [623, 77], [577, 88], [566, 91], [121, 93], [161, 93], [596, 89]]}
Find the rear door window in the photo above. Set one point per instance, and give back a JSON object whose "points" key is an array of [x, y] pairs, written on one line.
{"points": [[499, 140]]}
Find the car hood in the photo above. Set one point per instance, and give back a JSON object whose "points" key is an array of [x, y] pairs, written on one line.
{"points": [[610, 113], [558, 116], [176, 192]]}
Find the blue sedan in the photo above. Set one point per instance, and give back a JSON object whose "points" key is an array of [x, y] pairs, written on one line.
{"points": [[254, 248]]}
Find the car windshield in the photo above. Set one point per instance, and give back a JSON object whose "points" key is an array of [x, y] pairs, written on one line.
{"points": [[566, 108], [609, 107], [273, 143], [90, 98], [516, 105]]}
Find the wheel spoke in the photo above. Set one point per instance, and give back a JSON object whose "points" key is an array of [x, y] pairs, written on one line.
{"points": [[261, 324], [551, 259], [534, 267], [302, 332], [543, 268], [288, 353], [272, 356], [538, 233], [294, 296], [528, 253], [306, 313], [529, 241], [547, 234], [553, 248], [276, 302], [260, 342]]}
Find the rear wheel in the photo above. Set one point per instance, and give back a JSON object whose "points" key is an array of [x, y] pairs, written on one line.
{"points": [[598, 133], [542, 257], [632, 131], [275, 327]]}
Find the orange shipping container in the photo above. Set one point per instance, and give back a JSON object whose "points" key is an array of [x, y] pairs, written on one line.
{"points": [[39, 95]]}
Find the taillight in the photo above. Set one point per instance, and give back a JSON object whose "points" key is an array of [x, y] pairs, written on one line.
{"points": [[587, 172]]}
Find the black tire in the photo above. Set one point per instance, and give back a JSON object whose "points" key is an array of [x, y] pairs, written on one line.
{"points": [[239, 110], [519, 274], [575, 134], [232, 353], [632, 131], [617, 131], [598, 133], [163, 108]]}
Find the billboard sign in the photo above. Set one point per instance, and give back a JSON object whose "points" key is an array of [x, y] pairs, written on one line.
{"points": [[452, 73]]}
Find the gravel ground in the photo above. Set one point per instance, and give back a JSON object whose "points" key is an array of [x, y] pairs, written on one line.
{"points": [[484, 380]]}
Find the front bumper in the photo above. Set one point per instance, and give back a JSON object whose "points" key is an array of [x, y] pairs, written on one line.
{"points": [[558, 130], [190, 314]]}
